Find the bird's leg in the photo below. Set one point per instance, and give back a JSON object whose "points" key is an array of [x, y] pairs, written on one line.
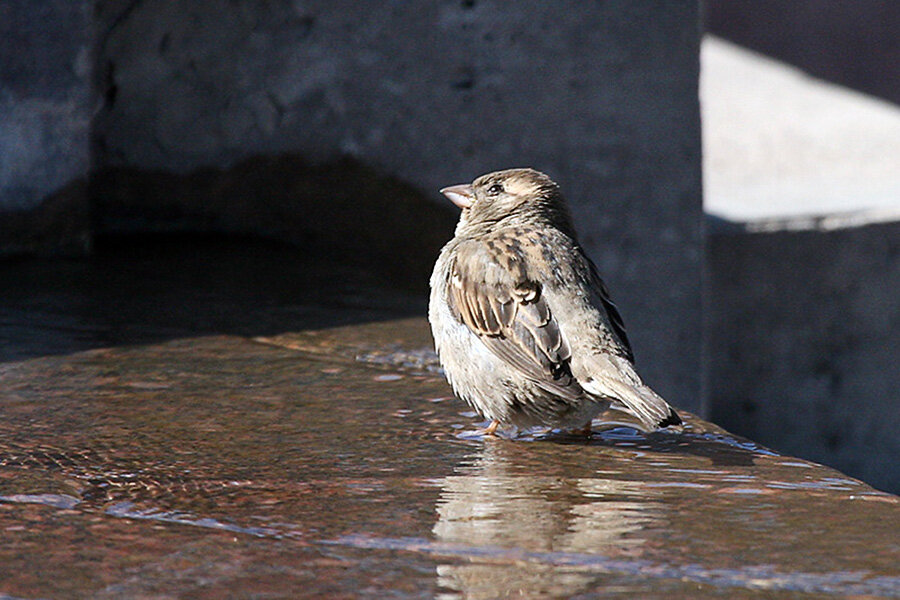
{"points": [[492, 428]]}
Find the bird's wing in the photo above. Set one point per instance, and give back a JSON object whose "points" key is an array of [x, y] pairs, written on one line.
{"points": [[603, 301], [491, 294]]}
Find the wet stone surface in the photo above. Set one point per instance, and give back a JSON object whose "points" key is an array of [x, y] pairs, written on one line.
{"points": [[332, 462]]}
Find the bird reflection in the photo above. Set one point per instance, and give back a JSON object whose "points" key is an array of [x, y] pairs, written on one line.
{"points": [[497, 505]]}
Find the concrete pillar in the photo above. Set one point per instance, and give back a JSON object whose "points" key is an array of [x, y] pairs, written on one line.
{"points": [[45, 114], [602, 96]]}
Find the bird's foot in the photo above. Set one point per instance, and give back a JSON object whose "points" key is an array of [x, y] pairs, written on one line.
{"points": [[477, 434], [492, 428]]}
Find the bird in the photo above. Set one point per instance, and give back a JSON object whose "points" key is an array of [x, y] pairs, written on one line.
{"points": [[523, 325]]}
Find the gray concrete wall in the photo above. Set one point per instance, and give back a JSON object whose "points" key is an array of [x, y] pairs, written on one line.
{"points": [[853, 44], [804, 330], [45, 112], [602, 96]]}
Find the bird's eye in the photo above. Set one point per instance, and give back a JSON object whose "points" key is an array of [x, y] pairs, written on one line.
{"points": [[495, 189]]}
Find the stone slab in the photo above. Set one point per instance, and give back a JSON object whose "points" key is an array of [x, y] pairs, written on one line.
{"points": [[779, 144], [803, 331], [852, 44], [298, 466]]}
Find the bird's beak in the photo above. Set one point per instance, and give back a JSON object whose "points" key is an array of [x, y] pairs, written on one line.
{"points": [[460, 195]]}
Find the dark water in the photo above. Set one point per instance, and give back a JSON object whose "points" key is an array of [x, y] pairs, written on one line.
{"points": [[332, 463]]}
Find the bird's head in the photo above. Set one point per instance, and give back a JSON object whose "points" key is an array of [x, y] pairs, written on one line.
{"points": [[513, 197]]}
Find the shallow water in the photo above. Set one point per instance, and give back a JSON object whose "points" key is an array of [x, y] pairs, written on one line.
{"points": [[334, 463]]}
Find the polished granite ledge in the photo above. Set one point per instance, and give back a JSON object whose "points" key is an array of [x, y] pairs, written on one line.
{"points": [[206, 432]]}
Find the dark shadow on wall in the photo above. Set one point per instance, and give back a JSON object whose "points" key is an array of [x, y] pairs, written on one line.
{"points": [[58, 226], [273, 244], [342, 209], [854, 44]]}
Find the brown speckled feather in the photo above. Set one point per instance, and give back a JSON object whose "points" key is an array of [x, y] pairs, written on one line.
{"points": [[511, 316]]}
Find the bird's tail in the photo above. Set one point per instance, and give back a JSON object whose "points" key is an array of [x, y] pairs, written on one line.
{"points": [[618, 382], [651, 410]]}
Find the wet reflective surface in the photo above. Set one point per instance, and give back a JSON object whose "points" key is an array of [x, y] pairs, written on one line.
{"points": [[333, 463]]}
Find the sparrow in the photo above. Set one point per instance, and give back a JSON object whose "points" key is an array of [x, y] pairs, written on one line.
{"points": [[523, 324]]}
